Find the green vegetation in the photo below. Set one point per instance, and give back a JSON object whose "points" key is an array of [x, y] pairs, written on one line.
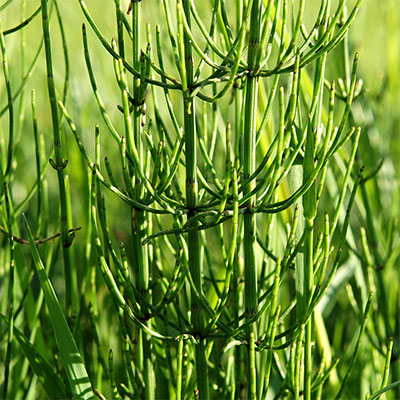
{"points": [[220, 215]]}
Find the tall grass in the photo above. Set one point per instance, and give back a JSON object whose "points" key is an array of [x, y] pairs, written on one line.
{"points": [[217, 225]]}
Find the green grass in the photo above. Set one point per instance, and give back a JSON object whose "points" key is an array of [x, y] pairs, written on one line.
{"points": [[220, 219]]}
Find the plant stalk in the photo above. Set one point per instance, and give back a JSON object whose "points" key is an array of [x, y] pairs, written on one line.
{"points": [[139, 218], [249, 160], [59, 164], [195, 265]]}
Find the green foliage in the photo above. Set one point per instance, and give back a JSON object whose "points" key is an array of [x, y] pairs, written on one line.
{"points": [[221, 216]]}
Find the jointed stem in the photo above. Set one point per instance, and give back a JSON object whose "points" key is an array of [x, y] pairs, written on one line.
{"points": [[60, 163], [308, 287], [139, 218], [195, 266], [249, 157]]}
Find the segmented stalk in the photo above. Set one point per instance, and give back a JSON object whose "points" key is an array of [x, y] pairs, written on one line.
{"points": [[139, 218], [195, 266], [249, 159], [59, 163]]}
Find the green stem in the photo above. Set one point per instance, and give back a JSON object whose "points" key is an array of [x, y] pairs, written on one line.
{"points": [[179, 379], [11, 300], [249, 159], [195, 265], [139, 218], [59, 164], [308, 287], [5, 177]]}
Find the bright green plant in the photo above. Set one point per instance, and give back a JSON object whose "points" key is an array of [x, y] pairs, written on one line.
{"points": [[214, 252]]}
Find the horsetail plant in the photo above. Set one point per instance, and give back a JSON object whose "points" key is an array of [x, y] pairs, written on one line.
{"points": [[59, 163], [219, 213]]}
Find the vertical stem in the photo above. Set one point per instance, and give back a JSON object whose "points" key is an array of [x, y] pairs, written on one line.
{"points": [[11, 288], [308, 285], [295, 177], [309, 212], [6, 175], [59, 164], [249, 158], [143, 286], [195, 264], [136, 81], [139, 218], [179, 368], [5, 190]]}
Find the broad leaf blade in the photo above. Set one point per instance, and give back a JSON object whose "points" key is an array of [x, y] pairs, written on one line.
{"points": [[73, 364], [51, 382]]}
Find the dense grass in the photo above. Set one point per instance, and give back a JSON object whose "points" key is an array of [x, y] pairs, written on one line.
{"points": [[200, 213]]}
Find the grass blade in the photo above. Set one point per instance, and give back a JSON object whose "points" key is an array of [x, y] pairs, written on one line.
{"points": [[51, 382], [75, 370]]}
